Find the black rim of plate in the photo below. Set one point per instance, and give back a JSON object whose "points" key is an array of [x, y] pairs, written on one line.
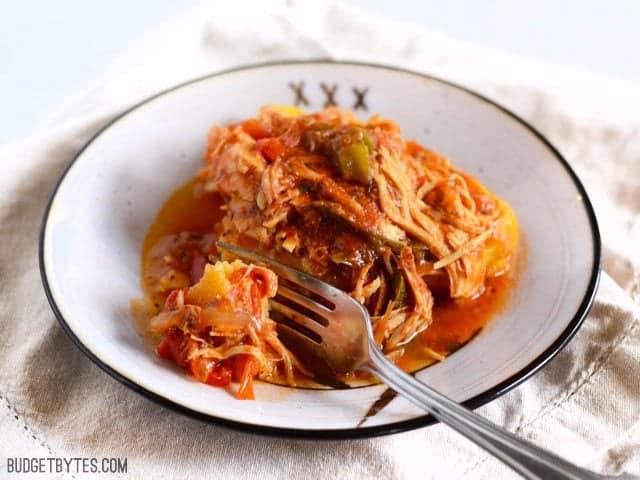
{"points": [[351, 433]]}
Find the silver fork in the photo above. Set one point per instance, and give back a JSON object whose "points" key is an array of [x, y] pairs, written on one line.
{"points": [[335, 327]]}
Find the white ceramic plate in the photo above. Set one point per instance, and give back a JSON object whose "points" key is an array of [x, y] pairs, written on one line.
{"points": [[96, 221]]}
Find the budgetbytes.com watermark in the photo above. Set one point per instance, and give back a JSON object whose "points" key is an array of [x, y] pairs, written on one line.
{"points": [[71, 465]]}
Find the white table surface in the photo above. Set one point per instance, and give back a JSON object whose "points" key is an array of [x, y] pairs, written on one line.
{"points": [[48, 50]]}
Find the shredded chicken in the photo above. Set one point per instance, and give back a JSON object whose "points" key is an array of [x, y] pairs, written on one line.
{"points": [[225, 315], [348, 201], [353, 203]]}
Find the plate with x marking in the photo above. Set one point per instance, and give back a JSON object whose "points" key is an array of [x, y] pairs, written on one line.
{"points": [[108, 196]]}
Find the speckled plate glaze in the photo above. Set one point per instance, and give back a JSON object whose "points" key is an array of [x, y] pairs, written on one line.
{"points": [[98, 215]]}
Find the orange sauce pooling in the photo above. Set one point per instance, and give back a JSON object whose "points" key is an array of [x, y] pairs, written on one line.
{"points": [[455, 321], [184, 211]]}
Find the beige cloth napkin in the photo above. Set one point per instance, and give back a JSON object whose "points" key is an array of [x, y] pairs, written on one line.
{"points": [[585, 405]]}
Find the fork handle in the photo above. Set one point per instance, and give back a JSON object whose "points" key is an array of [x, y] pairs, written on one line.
{"points": [[525, 458]]}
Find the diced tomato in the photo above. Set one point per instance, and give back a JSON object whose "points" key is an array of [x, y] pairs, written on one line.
{"points": [[178, 346], [264, 281], [245, 368], [164, 350], [237, 365], [237, 275], [484, 203], [197, 267], [255, 129], [216, 341], [256, 299], [245, 392], [272, 148], [219, 376], [171, 302]]}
